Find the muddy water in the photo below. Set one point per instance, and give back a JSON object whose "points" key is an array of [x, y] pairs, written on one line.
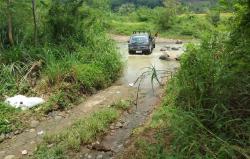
{"points": [[135, 65]]}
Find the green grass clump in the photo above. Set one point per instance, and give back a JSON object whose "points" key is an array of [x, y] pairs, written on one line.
{"points": [[9, 120], [90, 76], [82, 132], [122, 104]]}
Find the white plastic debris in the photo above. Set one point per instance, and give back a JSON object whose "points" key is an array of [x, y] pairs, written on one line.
{"points": [[131, 84], [23, 102], [24, 152], [40, 133]]}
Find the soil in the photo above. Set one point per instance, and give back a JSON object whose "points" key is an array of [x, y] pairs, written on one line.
{"points": [[113, 143]]}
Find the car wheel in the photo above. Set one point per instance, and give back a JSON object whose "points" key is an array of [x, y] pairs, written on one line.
{"points": [[131, 52], [148, 52]]}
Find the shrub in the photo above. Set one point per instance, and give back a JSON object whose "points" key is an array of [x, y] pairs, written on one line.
{"points": [[90, 76], [214, 17]]}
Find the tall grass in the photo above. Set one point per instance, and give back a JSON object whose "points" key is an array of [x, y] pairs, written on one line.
{"points": [[73, 65], [208, 107]]}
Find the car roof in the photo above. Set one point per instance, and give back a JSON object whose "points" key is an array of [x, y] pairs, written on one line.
{"points": [[140, 34]]}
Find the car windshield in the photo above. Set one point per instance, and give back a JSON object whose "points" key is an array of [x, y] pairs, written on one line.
{"points": [[139, 39]]}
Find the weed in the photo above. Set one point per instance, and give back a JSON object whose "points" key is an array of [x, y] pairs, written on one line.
{"points": [[9, 119]]}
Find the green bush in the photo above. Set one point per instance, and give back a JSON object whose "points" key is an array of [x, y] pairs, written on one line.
{"points": [[214, 17]]}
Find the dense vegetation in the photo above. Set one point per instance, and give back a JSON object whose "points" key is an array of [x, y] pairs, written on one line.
{"points": [[197, 6], [172, 19], [206, 110], [55, 49]]}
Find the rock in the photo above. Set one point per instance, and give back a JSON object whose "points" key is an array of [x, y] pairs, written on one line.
{"points": [[89, 157], [164, 57], [40, 133], [16, 132], [162, 49], [34, 123], [112, 127], [120, 146], [2, 152], [32, 130], [100, 147], [118, 125], [168, 47], [178, 58], [86, 155], [2, 137], [175, 48], [178, 42], [129, 111], [58, 117], [10, 157], [110, 153], [24, 152], [52, 114], [100, 156], [32, 142], [9, 135]]}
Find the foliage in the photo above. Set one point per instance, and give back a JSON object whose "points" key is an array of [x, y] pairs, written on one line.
{"points": [[138, 3], [206, 107], [169, 22], [214, 17], [209, 103], [8, 119], [75, 53], [126, 9]]}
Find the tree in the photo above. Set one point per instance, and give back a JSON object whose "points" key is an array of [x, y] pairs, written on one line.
{"points": [[127, 8], [10, 25], [165, 20], [35, 21], [214, 17]]}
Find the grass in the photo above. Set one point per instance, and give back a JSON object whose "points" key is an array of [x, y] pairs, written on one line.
{"points": [[82, 132], [200, 111], [67, 74], [126, 28], [9, 119], [185, 26], [205, 113]]}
